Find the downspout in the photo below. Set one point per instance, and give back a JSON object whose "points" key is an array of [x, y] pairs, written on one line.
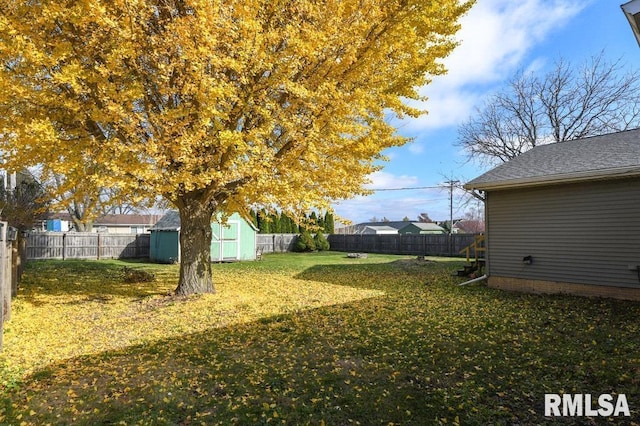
{"points": [[484, 277]]}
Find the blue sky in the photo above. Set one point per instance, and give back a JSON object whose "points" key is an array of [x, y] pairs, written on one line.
{"points": [[498, 38]]}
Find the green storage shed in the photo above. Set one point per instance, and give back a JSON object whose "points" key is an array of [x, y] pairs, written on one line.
{"points": [[235, 240]]}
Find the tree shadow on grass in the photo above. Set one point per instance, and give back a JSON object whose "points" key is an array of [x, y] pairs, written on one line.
{"points": [[301, 367], [96, 280], [403, 358], [397, 274]]}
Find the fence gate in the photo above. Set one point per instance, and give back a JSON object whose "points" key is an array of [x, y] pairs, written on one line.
{"points": [[225, 242]]}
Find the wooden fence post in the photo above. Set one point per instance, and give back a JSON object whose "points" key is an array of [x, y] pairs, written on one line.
{"points": [[15, 266], [5, 277], [3, 283], [6, 265]]}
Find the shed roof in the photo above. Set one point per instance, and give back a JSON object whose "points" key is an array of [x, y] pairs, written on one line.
{"points": [[395, 224], [610, 156], [169, 222], [382, 228], [427, 226]]}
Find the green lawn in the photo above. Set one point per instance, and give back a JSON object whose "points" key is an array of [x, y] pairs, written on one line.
{"points": [[305, 339]]}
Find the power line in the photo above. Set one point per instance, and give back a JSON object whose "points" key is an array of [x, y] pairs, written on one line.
{"points": [[405, 189]]}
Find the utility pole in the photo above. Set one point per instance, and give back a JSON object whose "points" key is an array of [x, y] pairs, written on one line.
{"points": [[451, 184]]}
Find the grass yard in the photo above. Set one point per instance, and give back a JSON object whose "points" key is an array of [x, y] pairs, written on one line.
{"points": [[305, 339]]}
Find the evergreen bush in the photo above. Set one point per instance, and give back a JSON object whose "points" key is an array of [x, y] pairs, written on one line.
{"points": [[321, 242], [304, 242]]}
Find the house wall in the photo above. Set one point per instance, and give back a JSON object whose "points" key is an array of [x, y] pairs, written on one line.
{"points": [[409, 230], [122, 229], [551, 287], [369, 230], [586, 233], [416, 230]]}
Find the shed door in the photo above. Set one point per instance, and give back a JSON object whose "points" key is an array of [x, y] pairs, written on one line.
{"points": [[225, 243]]}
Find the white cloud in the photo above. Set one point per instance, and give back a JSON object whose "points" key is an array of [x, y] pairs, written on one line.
{"points": [[385, 180], [416, 147], [495, 37]]}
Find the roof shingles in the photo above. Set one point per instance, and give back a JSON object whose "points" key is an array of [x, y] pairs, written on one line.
{"points": [[598, 157]]}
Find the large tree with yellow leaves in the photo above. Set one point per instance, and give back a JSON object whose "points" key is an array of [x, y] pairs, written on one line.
{"points": [[214, 104]]}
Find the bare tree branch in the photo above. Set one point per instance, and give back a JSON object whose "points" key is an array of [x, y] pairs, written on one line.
{"points": [[564, 104]]}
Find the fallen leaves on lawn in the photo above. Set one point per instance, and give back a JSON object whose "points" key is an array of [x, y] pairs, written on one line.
{"points": [[289, 341], [77, 314]]}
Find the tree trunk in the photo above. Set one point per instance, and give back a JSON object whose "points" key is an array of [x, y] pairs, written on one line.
{"points": [[195, 247], [83, 226]]}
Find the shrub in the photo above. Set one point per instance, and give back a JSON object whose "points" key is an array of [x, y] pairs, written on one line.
{"points": [[321, 242], [137, 276], [304, 242]]}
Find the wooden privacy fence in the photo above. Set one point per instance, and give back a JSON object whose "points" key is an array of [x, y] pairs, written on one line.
{"points": [[87, 245], [275, 243], [7, 236], [80, 245], [422, 245]]}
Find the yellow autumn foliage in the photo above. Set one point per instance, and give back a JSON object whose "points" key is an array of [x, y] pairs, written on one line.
{"points": [[273, 101], [215, 105]]}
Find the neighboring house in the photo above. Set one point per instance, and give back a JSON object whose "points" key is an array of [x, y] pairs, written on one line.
{"points": [[394, 227], [565, 218], [8, 180], [467, 226], [234, 240], [11, 181], [110, 223], [378, 230], [361, 228], [421, 228], [125, 223]]}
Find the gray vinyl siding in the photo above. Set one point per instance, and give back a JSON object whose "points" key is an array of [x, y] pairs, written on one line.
{"points": [[586, 233]]}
